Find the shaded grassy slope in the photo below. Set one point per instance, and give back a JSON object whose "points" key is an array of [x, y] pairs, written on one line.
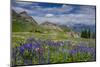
{"points": [[19, 24]]}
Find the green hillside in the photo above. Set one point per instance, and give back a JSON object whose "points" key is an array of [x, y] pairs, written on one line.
{"points": [[20, 24]]}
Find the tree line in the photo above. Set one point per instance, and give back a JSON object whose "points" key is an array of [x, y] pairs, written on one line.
{"points": [[87, 33]]}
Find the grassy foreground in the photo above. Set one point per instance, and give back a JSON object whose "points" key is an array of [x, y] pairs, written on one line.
{"points": [[36, 48]]}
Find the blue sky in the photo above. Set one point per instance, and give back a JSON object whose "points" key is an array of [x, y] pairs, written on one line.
{"points": [[57, 13]]}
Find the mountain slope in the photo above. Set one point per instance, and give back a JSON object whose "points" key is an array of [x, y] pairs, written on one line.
{"points": [[21, 23], [51, 26]]}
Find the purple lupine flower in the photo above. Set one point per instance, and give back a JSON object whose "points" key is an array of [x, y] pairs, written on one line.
{"points": [[72, 52], [30, 39], [48, 56], [83, 43], [21, 48], [40, 50], [82, 49], [27, 46]]}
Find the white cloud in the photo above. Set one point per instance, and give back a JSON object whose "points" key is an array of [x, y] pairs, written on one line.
{"points": [[49, 15], [18, 9], [87, 10], [62, 9], [85, 14], [67, 19], [23, 3]]}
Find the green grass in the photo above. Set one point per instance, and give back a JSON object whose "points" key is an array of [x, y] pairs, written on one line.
{"points": [[18, 37]]}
